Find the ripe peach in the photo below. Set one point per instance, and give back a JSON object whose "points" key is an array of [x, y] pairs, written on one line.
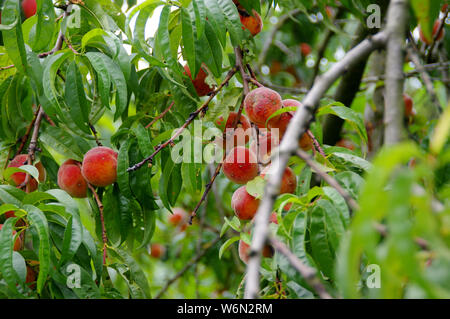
{"points": [[288, 182], [346, 143], [261, 103], [179, 217], [252, 23], [243, 204], [238, 137], [240, 165], [19, 178], [31, 277], [409, 109], [157, 250], [435, 30], [17, 243], [99, 166], [305, 142], [29, 8], [71, 180], [199, 83], [273, 218], [267, 143], [305, 48]]}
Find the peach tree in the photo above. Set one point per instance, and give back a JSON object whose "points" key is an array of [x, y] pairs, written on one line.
{"points": [[222, 148]]}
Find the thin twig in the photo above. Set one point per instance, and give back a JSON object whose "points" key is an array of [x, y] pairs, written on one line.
{"points": [[6, 67], [102, 219], [308, 273], [353, 205], [436, 35], [316, 143], [94, 132], [189, 120], [186, 268], [24, 138], [160, 116]]}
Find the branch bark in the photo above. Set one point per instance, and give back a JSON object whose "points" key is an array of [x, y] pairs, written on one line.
{"points": [[395, 56], [296, 128]]}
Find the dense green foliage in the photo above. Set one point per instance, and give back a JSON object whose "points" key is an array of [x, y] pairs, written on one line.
{"points": [[111, 74]]}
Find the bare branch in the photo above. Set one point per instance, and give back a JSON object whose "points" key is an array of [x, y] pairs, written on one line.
{"points": [[395, 56], [160, 116], [102, 219]]}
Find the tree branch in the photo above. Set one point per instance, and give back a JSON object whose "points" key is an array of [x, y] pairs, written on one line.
{"points": [[189, 120], [160, 116], [296, 128], [186, 268], [102, 219], [308, 273]]}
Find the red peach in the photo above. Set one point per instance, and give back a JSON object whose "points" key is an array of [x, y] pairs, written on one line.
{"points": [[19, 178], [240, 165], [157, 250], [243, 204], [261, 103], [267, 143], [409, 109], [305, 48], [288, 182], [179, 217], [99, 166], [253, 23], [29, 8], [199, 83], [346, 144], [71, 179], [238, 137], [30, 277]]}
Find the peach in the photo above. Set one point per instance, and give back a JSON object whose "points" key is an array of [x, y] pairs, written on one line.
{"points": [[19, 178], [29, 8], [243, 204], [99, 166], [179, 217], [252, 23], [267, 143], [17, 243], [305, 142], [30, 278], [240, 165], [305, 48], [238, 137], [288, 182], [71, 180], [261, 103], [409, 109], [435, 30], [346, 144], [199, 83], [273, 218], [157, 250]]}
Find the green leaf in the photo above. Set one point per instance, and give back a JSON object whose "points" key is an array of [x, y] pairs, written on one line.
{"points": [[227, 244], [73, 237], [76, 98], [255, 187], [6, 254], [188, 41], [200, 17], [29, 169], [101, 62], [62, 142], [123, 176], [13, 38], [42, 32], [38, 220], [232, 21], [355, 160]]}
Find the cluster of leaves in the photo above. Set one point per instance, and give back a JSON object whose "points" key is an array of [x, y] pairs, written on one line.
{"points": [[116, 78]]}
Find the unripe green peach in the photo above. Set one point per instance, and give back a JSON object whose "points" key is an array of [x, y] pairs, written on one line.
{"points": [[243, 204], [71, 179], [19, 177], [261, 103], [240, 165], [99, 166]]}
